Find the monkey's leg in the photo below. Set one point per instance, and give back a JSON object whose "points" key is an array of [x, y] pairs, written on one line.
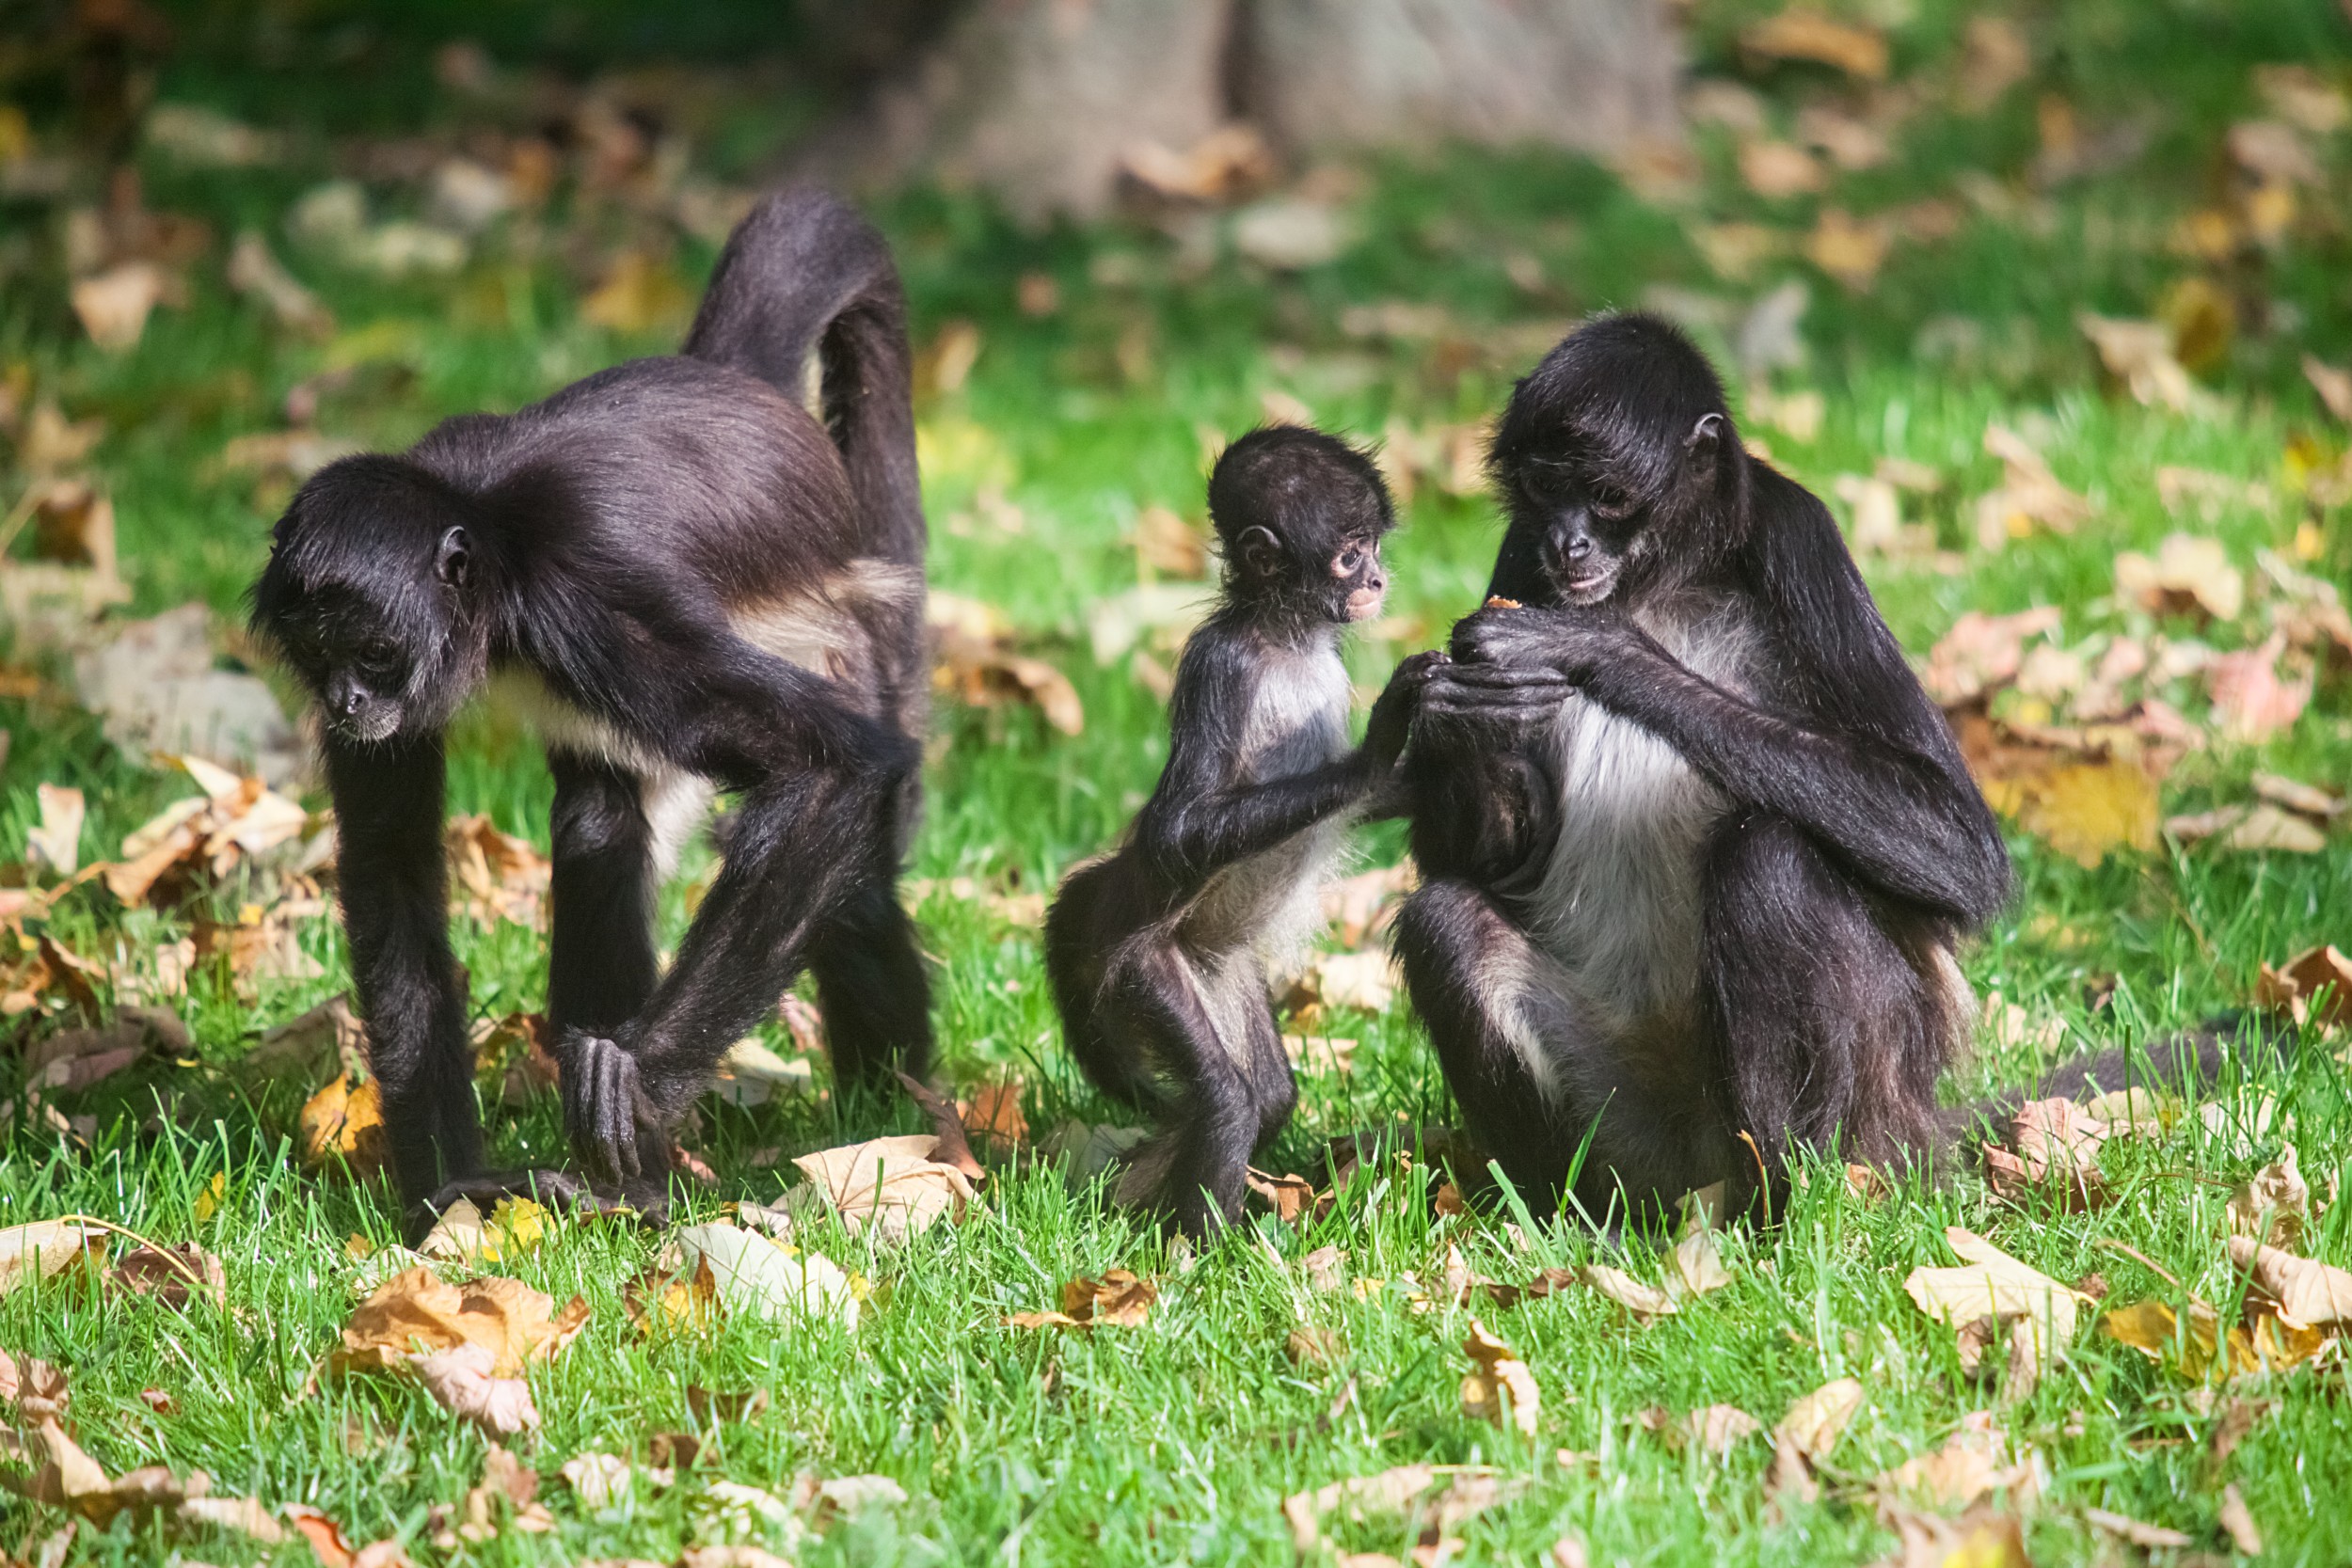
{"points": [[801, 847], [1198, 1167], [1084, 929], [600, 957], [870, 982], [1471, 973], [1827, 1033], [1273, 1088]]}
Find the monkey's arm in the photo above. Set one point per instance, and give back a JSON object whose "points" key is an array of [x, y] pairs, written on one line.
{"points": [[1201, 819], [392, 881], [1895, 817]]}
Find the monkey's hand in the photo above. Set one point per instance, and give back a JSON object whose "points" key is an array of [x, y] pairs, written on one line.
{"points": [[1398, 706], [1571, 644], [614, 1130]]}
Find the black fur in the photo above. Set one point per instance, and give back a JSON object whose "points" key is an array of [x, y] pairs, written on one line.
{"points": [[1666, 907], [1157, 951], [697, 581]]}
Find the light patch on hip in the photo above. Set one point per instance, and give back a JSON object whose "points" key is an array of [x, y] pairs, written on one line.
{"points": [[675, 803]]}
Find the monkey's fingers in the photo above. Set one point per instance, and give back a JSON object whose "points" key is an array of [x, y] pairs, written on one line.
{"points": [[616, 1111]]}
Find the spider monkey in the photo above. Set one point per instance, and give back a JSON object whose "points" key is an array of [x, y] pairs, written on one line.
{"points": [[1157, 952], [1696, 847], [692, 582]]}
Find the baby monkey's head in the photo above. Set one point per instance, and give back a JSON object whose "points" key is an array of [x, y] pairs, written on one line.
{"points": [[1300, 516]]}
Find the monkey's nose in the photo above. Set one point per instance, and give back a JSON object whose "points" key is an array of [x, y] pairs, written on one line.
{"points": [[1578, 548]]}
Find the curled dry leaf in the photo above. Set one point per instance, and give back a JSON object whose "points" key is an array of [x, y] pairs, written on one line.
{"points": [[1166, 543], [2314, 987], [1973, 1462], [993, 1114], [893, 1184], [1291, 1197], [1804, 33], [1401, 1491], [345, 1121], [2237, 1522], [416, 1311], [2254, 829], [497, 876], [597, 1480], [1717, 1429], [2029, 495], [2135, 1532], [2083, 810], [2189, 575], [754, 1276], [1815, 1422], [2140, 355], [1502, 1390], [2196, 1346], [56, 840], [2307, 1290], [975, 661], [1981, 1538], [1119, 1299], [952, 1147], [2274, 1205], [1992, 1284], [460, 1380], [1983, 652], [46, 1248], [173, 1275], [514, 1228]]}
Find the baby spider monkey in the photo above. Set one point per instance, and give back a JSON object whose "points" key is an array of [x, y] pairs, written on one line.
{"points": [[1158, 950]]}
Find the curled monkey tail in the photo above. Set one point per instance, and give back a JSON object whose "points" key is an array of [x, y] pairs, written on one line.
{"points": [[804, 274]]}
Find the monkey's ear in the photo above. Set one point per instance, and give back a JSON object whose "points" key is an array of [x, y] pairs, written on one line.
{"points": [[455, 559], [1703, 448], [1261, 552]]}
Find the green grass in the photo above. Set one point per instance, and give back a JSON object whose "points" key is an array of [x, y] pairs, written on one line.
{"points": [[1176, 1441]]}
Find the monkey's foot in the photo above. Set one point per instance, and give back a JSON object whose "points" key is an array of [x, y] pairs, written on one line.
{"points": [[566, 1192], [612, 1128]]}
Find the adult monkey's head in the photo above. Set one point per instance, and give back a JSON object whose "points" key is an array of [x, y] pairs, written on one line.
{"points": [[1617, 458], [1299, 517], [372, 595]]}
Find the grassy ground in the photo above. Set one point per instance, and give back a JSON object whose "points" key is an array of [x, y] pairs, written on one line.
{"points": [[1177, 1440]]}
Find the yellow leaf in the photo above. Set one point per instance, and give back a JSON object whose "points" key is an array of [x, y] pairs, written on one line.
{"points": [[2083, 810], [209, 1199], [637, 295], [346, 1122]]}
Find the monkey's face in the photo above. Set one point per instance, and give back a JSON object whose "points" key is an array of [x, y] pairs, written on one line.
{"points": [[1360, 584], [1588, 529], [355, 661]]}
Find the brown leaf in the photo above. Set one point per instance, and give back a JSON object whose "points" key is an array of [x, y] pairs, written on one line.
{"points": [[2250, 703], [2295, 988], [1779, 169], [1117, 1300], [460, 1380], [2334, 385], [171, 1274], [1327, 1269], [496, 875], [1644, 1301], [2145, 1536], [952, 1147], [1815, 1422], [56, 840], [1359, 907], [1313, 1347], [46, 1248], [993, 1114], [415, 1311], [345, 1121], [1502, 1390], [114, 304], [2140, 355], [1229, 162], [324, 1536], [894, 1184], [2189, 575], [1972, 1462], [1982, 651], [2237, 1522], [2311, 1293], [597, 1480], [1803, 33], [2274, 1205], [1980, 1538], [1992, 1284], [2253, 829], [1717, 1429], [1403, 1491], [1166, 543], [1850, 250], [711, 1407], [2029, 495]]}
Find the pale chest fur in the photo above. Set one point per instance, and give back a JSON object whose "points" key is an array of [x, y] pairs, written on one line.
{"points": [[1619, 908], [1270, 903]]}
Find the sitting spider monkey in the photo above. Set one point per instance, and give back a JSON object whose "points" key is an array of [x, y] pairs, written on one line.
{"points": [[692, 582], [1158, 950], [1696, 848]]}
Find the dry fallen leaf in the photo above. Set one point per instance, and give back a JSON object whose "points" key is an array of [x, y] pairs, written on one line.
{"points": [[2311, 1293], [1972, 1462], [461, 1381], [514, 1228], [1983, 652], [1119, 1299], [1992, 1284], [2274, 1205], [2332, 384], [597, 1480], [1401, 1491], [1166, 543], [1815, 1422], [1502, 1390], [1803, 33], [2237, 1522], [415, 1311], [46, 1248], [496, 875], [2253, 829], [2251, 702], [993, 1114], [2029, 495], [756, 1276], [345, 1121], [1643, 1301], [893, 1184], [1779, 169], [637, 294], [1980, 1538], [173, 1275], [2197, 1346], [114, 304], [2294, 987], [2189, 574], [2140, 355], [1849, 250], [56, 840]]}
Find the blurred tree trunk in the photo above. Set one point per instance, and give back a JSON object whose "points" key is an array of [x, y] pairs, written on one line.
{"points": [[1038, 100]]}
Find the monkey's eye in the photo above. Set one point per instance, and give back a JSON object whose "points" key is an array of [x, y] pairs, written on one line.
{"points": [[1350, 559]]}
